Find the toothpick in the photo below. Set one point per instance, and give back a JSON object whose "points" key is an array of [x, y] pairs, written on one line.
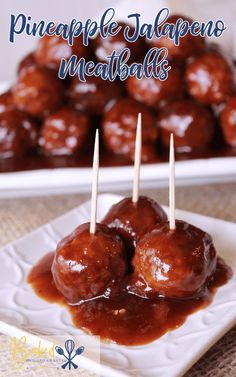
{"points": [[137, 159], [172, 184], [95, 184]]}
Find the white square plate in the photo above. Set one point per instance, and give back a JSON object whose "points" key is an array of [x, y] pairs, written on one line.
{"points": [[171, 355]]}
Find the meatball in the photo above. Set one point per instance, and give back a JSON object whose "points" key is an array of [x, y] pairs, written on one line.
{"points": [[37, 91], [192, 125], [209, 78], [175, 263], [27, 62], [133, 220], [149, 153], [88, 265], [120, 122], [189, 45], [6, 102], [103, 47], [153, 92], [93, 95], [18, 133], [51, 49], [64, 132], [228, 121]]}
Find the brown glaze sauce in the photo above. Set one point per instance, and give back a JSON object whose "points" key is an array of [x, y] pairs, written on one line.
{"points": [[126, 319]]}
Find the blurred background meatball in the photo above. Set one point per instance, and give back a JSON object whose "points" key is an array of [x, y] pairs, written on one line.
{"points": [[105, 47], [51, 49], [18, 133], [27, 62], [120, 122], [149, 153], [93, 95], [153, 92], [199, 74], [209, 78], [191, 123], [38, 91], [64, 132], [228, 121], [6, 102], [189, 45]]}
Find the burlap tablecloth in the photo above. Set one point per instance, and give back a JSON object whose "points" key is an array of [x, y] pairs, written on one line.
{"points": [[19, 216]]}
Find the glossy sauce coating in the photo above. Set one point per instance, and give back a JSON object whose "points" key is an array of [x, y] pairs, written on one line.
{"points": [[191, 123], [64, 132], [88, 265], [209, 78], [175, 263], [154, 92], [6, 102], [119, 126], [189, 45], [133, 220], [149, 153], [18, 133], [27, 62], [37, 91], [228, 121], [51, 49], [93, 95], [126, 319], [103, 47]]}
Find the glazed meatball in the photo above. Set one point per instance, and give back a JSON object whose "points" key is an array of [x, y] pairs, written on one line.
{"points": [[103, 47], [153, 92], [51, 49], [18, 133], [88, 265], [120, 122], [64, 132], [133, 220], [189, 45], [27, 62], [192, 125], [149, 153], [209, 78], [37, 91], [6, 102], [93, 95], [228, 121], [175, 263]]}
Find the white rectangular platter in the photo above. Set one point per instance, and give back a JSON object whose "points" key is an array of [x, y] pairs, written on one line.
{"points": [[69, 180], [171, 355]]}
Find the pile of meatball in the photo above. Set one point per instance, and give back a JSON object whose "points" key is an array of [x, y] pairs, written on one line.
{"points": [[134, 250], [53, 117]]}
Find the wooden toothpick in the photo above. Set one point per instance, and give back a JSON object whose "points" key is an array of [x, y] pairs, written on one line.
{"points": [[137, 159], [172, 184], [95, 184]]}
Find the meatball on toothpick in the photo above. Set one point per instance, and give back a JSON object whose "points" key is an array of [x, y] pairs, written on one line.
{"points": [[133, 216], [89, 263], [175, 259]]}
